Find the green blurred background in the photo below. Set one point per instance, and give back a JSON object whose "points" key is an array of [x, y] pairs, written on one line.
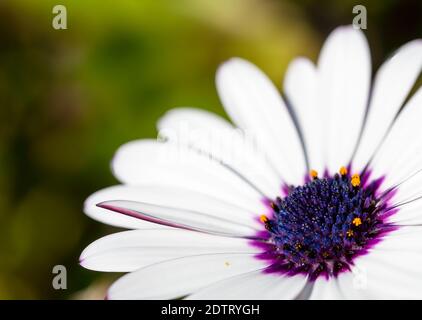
{"points": [[69, 98]]}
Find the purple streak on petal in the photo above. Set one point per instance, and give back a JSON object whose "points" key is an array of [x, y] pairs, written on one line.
{"points": [[365, 177], [306, 178], [388, 213], [285, 189], [142, 216], [326, 173], [269, 213], [349, 168]]}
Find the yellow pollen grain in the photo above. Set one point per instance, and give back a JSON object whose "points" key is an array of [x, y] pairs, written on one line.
{"points": [[263, 218], [313, 174], [343, 171], [355, 180], [349, 233], [357, 222]]}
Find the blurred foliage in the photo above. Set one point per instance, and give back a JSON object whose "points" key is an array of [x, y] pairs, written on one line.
{"points": [[70, 97]]}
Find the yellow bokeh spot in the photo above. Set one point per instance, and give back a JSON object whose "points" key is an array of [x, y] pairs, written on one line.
{"points": [[313, 174], [355, 180], [357, 222], [343, 171], [263, 218], [349, 233]]}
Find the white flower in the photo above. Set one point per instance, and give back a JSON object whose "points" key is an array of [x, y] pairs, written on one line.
{"points": [[255, 225]]}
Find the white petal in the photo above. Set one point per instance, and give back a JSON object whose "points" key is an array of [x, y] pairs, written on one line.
{"points": [[400, 155], [300, 85], [130, 250], [113, 218], [344, 73], [198, 118], [183, 199], [408, 214], [180, 277], [408, 190], [354, 286], [390, 270], [256, 285], [216, 137], [326, 289], [181, 218], [255, 105], [392, 84], [147, 162], [404, 239]]}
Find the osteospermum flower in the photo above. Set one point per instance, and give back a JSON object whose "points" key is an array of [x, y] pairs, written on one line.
{"points": [[324, 200]]}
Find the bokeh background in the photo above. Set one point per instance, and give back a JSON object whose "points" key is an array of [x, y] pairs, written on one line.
{"points": [[69, 98]]}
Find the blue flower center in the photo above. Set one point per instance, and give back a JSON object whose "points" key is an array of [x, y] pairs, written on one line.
{"points": [[318, 228]]}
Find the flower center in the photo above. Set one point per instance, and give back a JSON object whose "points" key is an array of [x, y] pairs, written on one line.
{"points": [[318, 228]]}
